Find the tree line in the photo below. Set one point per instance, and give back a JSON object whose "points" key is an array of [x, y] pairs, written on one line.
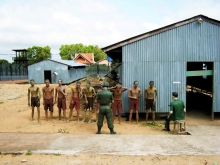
{"points": [[67, 52]]}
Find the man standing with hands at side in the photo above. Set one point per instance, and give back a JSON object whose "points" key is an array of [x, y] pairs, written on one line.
{"points": [[150, 100], [134, 94]]}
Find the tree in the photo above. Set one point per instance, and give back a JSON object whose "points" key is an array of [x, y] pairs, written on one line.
{"points": [[37, 53], [2, 61], [67, 52]]}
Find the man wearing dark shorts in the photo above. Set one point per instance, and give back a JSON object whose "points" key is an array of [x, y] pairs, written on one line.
{"points": [[89, 94], [150, 100], [134, 94], [61, 104], [48, 99], [35, 94]]}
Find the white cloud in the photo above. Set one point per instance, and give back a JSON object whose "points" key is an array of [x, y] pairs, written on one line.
{"points": [[151, 26], [28, 23]]}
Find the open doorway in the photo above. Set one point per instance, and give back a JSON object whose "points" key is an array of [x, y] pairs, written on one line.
{"points": [[47, 75], [199, 88]]}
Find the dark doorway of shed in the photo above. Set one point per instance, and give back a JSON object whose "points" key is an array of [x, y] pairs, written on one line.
{"points": [[47, 75], [199, 89]]}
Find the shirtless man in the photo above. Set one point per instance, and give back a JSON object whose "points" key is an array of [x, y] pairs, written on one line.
{"points": [[89, 94], [35, 94], [75, 100], [134, 94], [48, 99], [98, 104], [61, 92], [150, 100], [117, 106]]}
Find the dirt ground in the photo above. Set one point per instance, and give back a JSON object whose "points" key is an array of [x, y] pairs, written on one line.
{"points": [[58, 159], [15, 117]]}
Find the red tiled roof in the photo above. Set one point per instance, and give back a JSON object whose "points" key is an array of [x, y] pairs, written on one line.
{"points": [[87, 56]]}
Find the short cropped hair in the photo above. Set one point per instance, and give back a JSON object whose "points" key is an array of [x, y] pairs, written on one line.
{"points": [[151, 82], [47, 80], [135, 81], [175, 94], [78, 83], [32, 80], [88, 82], [60, 80]]}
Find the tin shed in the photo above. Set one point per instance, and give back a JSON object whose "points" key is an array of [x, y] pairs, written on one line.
{"points": [[66, 70], [182, 57]]}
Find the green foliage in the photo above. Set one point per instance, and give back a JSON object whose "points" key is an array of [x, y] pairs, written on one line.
{"points": [[62, 130], [67, 52], [2, 61], [28, 152], [1, 102], [37, 53], [58, 154]]}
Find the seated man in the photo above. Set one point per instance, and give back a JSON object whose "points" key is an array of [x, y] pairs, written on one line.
{"points": [[177, 109]]}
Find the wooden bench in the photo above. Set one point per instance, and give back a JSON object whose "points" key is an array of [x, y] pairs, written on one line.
{"points": [[181, 126]]}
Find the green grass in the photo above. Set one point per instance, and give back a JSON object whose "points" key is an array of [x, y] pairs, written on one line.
{"points": [[152, 125], [58, 154], [1, 102], [62, 130], [28, 152]]}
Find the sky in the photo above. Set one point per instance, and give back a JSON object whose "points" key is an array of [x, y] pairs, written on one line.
{"points": [[27, 23]]}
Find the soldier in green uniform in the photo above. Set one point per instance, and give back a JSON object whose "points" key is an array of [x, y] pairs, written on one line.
{"points": [[177, 109], [105, 97]]}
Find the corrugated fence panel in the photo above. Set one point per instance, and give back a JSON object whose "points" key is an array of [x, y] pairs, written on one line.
{"points": [[166, 79], [216, 89]]}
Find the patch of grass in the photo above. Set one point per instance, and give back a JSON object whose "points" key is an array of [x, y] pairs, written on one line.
{"points": [[62, 130], [58, 154], [29, 152], [100, 79], [1, 102], [151, 124]]}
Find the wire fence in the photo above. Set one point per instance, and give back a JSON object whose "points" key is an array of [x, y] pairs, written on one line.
{"points": [[13, 72]]}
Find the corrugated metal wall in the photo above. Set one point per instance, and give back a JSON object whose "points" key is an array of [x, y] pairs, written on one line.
{"points": [[36, 72], [164, 76], [216, 95], [163, 57]]}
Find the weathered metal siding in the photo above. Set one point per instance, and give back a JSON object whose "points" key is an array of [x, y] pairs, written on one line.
{"points": [[36, 72], [190, 42], [216, 89], [163, 74], [77, 73], [163, 57]]}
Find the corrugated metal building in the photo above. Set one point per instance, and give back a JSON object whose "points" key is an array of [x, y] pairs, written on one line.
{"points": [[66, 70], [168, 56]]}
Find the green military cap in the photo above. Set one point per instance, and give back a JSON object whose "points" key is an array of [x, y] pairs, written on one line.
{"points": [[105, 84]]}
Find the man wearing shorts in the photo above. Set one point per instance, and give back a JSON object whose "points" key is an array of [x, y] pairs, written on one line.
{"points": [[35, 95], [134, 94], [117, 105], [150, 100], [61, 104], [48, 99], [89, 94], [75, 100]]}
